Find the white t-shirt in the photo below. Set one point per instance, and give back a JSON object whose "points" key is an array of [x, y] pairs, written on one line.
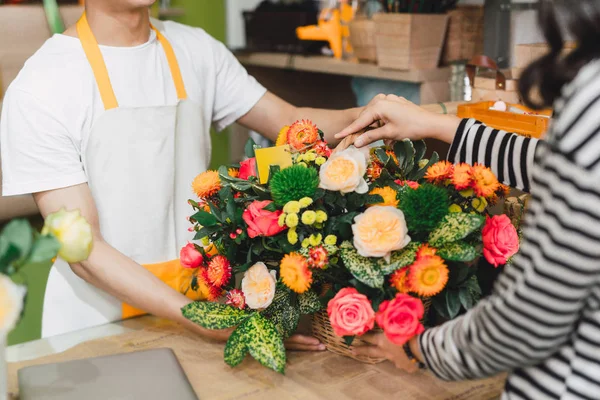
{"points": [[52, 105]]}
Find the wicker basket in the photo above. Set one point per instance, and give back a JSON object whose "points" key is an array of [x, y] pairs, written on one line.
{"points": [[322, 330], [362, 37]]}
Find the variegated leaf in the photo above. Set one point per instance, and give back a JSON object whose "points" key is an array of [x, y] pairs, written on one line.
{"points": [[457, 251], [264, 342], [364, 269], [213, 315], [399, 259], [454, 227], [235, 349], [309, 302]]}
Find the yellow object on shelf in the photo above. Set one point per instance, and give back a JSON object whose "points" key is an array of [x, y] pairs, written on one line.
{"points": [[525, 121], [333, 28]]}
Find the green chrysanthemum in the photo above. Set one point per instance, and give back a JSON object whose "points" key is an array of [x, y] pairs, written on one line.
{"points": [[424, 208], [294, 183]]}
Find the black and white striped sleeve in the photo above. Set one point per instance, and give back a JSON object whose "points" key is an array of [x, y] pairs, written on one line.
{"points": [[510, 156]]}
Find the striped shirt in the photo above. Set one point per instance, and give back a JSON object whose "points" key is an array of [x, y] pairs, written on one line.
{"points": [[542, 321]]}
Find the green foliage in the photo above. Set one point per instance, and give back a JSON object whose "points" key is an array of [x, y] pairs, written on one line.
{"points": [[455, 227], [263, 342], [283, 313], [294, 183], [249, 148], [213, 315], [366, 270], [424, 207], [399, 259], [458, 251], [235, 349], [309, 302]]}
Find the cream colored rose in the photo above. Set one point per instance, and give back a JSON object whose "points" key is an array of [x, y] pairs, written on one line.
{"points": [[11, 304], [258, 286], [72, 232], [379, 231], [344, 172]]}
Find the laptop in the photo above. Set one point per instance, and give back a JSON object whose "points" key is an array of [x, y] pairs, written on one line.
{"points": [[147, 375]]}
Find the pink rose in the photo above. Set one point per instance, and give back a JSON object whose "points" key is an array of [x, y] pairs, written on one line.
{"points": [[400, 318], [500, 240], [350, 313], [189, 257], [260, 221], [247, 168]]}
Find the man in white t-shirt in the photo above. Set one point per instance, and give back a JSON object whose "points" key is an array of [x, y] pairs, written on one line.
{"points": [[112, 118]]}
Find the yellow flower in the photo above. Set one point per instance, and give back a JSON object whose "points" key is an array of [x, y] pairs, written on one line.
{"points": [[423, 163], [305, 243], [281, 220], [315, 240], [206, 184], [300, 158], [292, 236], [282, 137], [388, 194], [320, 161], [11, 304], [233, 172], [295, 273], [205, 241], [454, 208], [72, 232], [428, 275], [310, 156], [379, 231], [345, 172], [331, 240], [305, 202], [321, 216], [467, 193], [292, 207], [291, 220], [303, 164], [479, 204], [258, 286], [309, 217]]}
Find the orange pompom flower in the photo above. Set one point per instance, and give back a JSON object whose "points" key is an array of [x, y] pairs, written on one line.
{"points": [[282, 136], [374, 170], [233, 172], [295, 273], [206, 184], [302, 134], [398, 280], [428, 275], [318, 257], [219, 271], [426, 251], [485, 183], [439, 172], [462, 177], [388, 194], [213, 293]]}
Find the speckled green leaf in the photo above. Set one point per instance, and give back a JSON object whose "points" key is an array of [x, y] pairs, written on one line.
{"points": [[213, 315], [282, 313], [364, 269], [454, 227], [235, 349], [457, 251], [399, 259], [309, 302], [263, 342]]}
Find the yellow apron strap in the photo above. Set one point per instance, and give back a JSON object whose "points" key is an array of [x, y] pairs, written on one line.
{"points": [[94, 56]]}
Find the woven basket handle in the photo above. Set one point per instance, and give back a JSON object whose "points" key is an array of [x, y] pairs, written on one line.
{"points": [[485, 62]]}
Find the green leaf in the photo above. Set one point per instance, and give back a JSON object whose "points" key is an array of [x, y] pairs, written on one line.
{"points": [[382, 156], [249, 148], [407, 164], [420, 150], [205, 219], [452, 303], [231, 208], [235, 349], [19, 234], [44, 249], [284, 315], [457, 251], [213, 315], [309, 302], [439, 305], [241, 186], [264, 342], [473, 285], [366, 270], [454, 227], [348, 340], [399, 259], [271, 207], [418, 174], [273, 169], [466, 298]]}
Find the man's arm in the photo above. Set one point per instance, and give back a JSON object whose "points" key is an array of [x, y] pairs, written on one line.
{"points": [[271, 113], [113, 272]]}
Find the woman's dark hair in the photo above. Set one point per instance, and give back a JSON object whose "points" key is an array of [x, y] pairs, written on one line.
{"points": [[542, 81]]}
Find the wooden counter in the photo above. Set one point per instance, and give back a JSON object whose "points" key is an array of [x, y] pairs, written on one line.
{"points": [[321, 375]]}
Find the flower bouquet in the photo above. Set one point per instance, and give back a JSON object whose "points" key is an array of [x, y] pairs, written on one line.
{"points": [[357, 237]]}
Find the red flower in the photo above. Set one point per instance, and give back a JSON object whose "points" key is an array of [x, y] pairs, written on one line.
{"points": [[236, 299], [410, 184], [400, 318], [318, 257], [350, 313], [262, 222], [189, 257], [500, 240], [323, 149], [247, 168], [219, 271]]}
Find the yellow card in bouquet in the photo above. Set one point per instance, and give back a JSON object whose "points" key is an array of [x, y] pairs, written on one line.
{"points": [[279, 155]]}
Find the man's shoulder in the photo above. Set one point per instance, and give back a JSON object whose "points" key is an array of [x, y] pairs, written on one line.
{"points": [[190, 38]]}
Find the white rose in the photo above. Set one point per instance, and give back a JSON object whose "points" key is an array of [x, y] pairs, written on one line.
{"points": [[379, 231], [11, 304], [258, 286], [345, 172]]}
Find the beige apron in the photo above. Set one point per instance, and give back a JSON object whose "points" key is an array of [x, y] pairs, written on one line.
{"points": [[140, 163]]}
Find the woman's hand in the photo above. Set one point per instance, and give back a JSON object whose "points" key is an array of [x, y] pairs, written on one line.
{"points": [[299, 342], [380, 347], [396, 119]]}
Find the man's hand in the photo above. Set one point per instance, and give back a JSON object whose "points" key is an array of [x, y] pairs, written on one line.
{"points": [[380, 347]]}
